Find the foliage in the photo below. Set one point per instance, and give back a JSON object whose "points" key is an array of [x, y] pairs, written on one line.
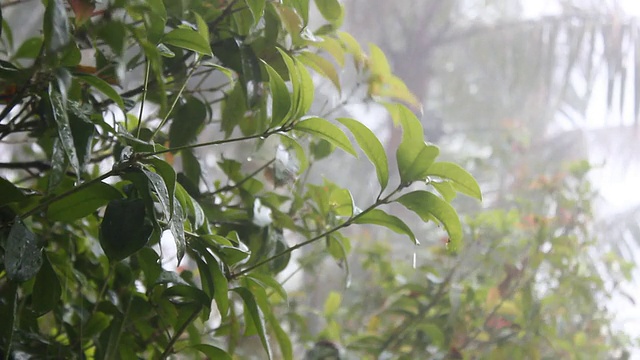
{"points": [[547, 301], [104, 171]]}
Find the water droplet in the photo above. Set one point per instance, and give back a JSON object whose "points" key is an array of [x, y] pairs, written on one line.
{"points": [[262, 137], [415, 260], [417, 242], [249, 159]]}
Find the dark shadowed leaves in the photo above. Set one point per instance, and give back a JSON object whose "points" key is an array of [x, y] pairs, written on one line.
{"points": [[124, 230]]}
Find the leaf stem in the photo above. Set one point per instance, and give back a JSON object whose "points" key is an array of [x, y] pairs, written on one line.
{"points": [[175, 101], [144, 97], [349, 222], [215, 142], [179, 332]]}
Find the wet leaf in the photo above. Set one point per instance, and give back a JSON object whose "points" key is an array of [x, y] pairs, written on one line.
{"points": [[23, 253], [256, 316]]}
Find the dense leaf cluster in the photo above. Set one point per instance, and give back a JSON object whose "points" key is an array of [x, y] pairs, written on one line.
{"points": [[111, 166]]}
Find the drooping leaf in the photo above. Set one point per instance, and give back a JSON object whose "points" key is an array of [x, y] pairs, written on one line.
{"points": [[427, 205], [372, 148], [380, 217], [327, 131], [251, 74], [102, 86], [160, 187], [123, 230], [59, 112], [187, 39], [56, 26], [461, 179], [176, 226], [46, 290], [59, 165], [169, 178], [23, 253], [83, 202], [256, 316]]}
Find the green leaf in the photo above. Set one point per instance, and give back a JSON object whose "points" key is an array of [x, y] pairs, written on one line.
{"points": [[29, 49], [123, 230], [307, 89], [341, 202], [257, 9], [160, 188], [220, 286], [281, 100], [187, 122], [427, 205], [434, 333], [267, 280], [10, 193], [327, 131], [286, 349], [378, 63], [46, 289], [83, 202], [330, 9], [189, 292], [372, 148], [461, 179], [380, 217], [321, 65], [212, 352], [23, 253], [414, 156], [97, 323], [65, 135], [187, 39], [256, 316], [169, 178], [332, 304], [101, 86], [203, 28], [176, 226], [302, 85], [56, 26], [251, 74]]}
